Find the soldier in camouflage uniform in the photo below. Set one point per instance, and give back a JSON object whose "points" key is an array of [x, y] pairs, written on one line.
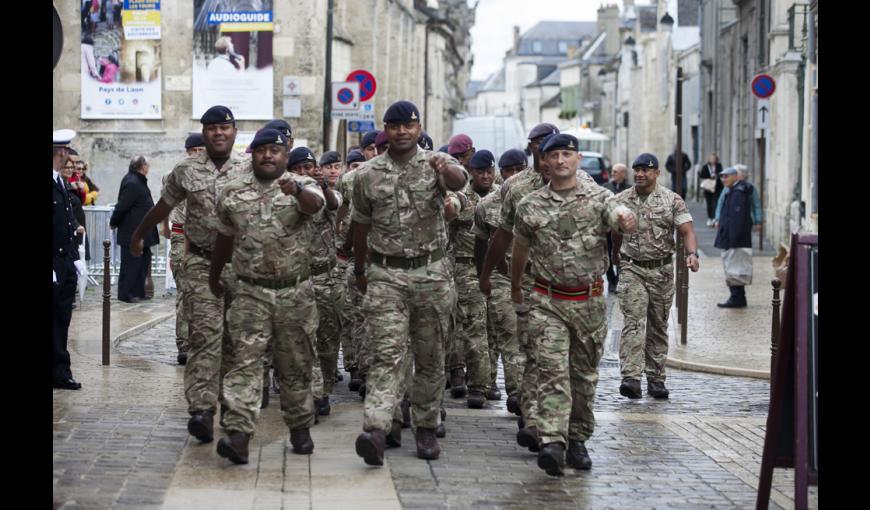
{"points": [[263, 222], [471, 337], [174, 231], [500, 311], [200, 181], [398, 203], [562, 228], [646, 283]]}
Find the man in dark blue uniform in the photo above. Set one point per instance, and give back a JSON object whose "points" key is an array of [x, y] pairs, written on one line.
{"points": [[64, 256]]}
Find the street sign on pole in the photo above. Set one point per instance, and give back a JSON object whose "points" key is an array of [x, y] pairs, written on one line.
{"points": [[360, 126], [762, 111], [367, 83], [763, 86], [345, 100]]}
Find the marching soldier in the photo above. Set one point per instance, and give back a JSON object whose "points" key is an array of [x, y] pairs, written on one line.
{"points": [[646, 282], [561, 228]]}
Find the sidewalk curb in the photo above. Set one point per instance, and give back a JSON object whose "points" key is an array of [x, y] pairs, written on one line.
{"points": [[135, 330]]}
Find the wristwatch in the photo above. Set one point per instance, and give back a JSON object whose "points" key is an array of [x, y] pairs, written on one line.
{"points": [[695, 254]]}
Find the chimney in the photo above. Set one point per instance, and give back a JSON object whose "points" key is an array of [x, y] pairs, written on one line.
{"points": [[572, 52], [608, 21], [516, 38]]}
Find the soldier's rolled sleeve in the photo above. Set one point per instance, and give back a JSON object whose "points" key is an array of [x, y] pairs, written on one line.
{"points": [[224, 225], [680, 211], [361, 212], [173, 192]]}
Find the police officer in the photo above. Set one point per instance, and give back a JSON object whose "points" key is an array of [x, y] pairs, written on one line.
{"points": [[263, 221], [200, 181], [561, 228], [646, 284], [65, 256], [398, 203]]}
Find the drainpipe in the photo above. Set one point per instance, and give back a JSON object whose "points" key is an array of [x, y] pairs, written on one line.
{"points": [[327, 89]]}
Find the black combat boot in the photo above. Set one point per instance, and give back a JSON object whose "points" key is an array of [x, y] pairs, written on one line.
{"points": [[234, 447], [476, 399], [338, 377], [656, 389], [630, 388], [552, 459], [394, 438], [528, 437], [265, 401], [493, 393], [406, 413], [736, 300], [362, 388], [443, 414], [322, 406], [370, 446], [201, 426], [182, 358], [513, 405], [578, 457], [440, 431], [301, 441], [355, 381], [427, 444], [457, 383]]}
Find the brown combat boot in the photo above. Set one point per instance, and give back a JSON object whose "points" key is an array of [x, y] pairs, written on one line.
{"points": [[234, 447], [370, 446], [301, 441], [201, 426], [427, 444], [394, 438]]}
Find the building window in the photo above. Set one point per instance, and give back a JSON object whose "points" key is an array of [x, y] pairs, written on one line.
{"points": [[563, 47], [763, 30], [536, 47]]}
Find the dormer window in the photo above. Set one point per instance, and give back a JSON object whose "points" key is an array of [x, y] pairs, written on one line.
{"points": [[563, 47], [536, 46]]}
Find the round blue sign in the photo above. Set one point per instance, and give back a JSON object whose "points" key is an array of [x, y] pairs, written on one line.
{"points": [[345, 96], [763, 86]]}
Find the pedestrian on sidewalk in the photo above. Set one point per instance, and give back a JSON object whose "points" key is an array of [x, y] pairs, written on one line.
{"points": [[712, 185], [646, 289], [200, 180], [743, 175], [134, 202], [671, 166], [734, 237], [408, 291], [561, 228], [65, 256], [275, 298], [617, 184]]}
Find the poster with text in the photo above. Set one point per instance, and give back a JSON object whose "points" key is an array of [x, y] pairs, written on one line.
{"points": [[121, 59], [232, 57]]}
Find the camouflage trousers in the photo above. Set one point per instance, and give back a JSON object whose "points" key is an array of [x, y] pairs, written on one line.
{"points": [[471, 338], [407, 314], [316, 374], [345, 345], [329, 293], [354, 324], [645, 297], [176, 264], [502, 335], [208, 343], [288, 319], [529, 348], [570, 342]]}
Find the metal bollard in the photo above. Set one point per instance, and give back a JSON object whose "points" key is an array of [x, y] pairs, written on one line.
{"points": [[107, 300], [684, 296], [775, 323]]}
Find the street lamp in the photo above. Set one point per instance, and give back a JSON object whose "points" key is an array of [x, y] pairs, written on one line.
{"points": [[667, 22]]}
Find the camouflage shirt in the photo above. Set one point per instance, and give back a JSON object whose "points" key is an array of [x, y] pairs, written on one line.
{"points": [[344, 186], [179, 212], [272, 236], [487, 214], [461, 227], [657, 216], [404, 204], [567, 236], [198, 181], [323, 234]]}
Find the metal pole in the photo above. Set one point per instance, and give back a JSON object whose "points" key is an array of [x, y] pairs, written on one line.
{"points": [[327, 86], [684, 293], [775, 324], [107, 301], [761, 154], [678, 186]]}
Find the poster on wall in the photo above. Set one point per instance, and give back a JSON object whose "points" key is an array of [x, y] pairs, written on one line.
{"points": [[121, 59], [232, 57]]}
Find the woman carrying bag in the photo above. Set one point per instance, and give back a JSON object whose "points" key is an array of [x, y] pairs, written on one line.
{"points": [[711, 184]]}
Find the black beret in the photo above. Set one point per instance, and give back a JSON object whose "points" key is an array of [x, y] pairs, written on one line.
{"points": [[561, 141], [425, 141], [369, 138], [354, 156], [330, 157], [513, 157], [645, 160], [301, 155], [281, 125], [402, 111], [482, 159], [443, 149], [268, 135], [72, 152], [194, 140], [542, 129], [217, 115]]}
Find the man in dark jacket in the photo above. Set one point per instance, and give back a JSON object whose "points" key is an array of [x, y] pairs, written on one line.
{"points": [[671, 165], [735, 237], [617, 185], [134, 202]]}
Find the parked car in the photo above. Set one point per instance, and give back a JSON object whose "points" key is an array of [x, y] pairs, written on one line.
{"points": [[596, 165]]}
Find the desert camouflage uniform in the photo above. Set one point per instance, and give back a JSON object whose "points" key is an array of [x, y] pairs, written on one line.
{"points": [[176, 264], [407, 308], [199, 182], [352, 319], [646, 294], [568, 248], [275, 300]]}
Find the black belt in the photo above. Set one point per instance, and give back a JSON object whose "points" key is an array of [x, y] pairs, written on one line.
{"points": [[649, 264], [275, 284], [465, 260], [322, 268], [407, 262], [196, 250]]}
